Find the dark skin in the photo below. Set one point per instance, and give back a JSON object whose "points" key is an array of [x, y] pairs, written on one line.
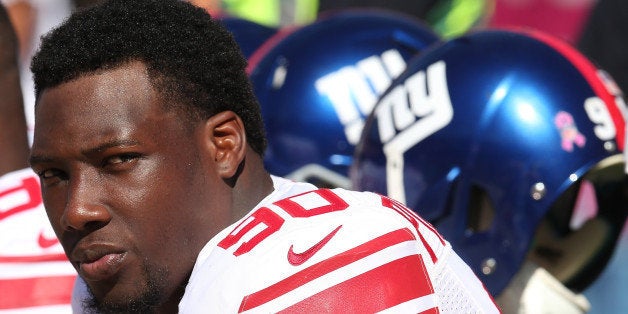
{"points": [[129, 185]]}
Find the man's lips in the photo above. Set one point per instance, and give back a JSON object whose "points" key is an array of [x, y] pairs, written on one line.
{"points": [[100, 264]]}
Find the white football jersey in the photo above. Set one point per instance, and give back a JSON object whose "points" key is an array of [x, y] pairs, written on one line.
{"points": [[310, 250], [35, 275]]}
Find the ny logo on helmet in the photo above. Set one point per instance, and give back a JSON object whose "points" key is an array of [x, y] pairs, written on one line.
{"points": [[408, 114], [353, 90]]}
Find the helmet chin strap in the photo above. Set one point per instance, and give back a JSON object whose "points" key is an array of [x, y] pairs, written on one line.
{"points": [[535, 290]]}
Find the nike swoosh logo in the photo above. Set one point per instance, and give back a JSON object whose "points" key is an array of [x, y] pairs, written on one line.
{"points": [[44, 242], [296, 259]]}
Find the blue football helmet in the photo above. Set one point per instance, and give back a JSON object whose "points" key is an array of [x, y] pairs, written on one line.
{"points": [[248, 34], [510, 142], [317, 83]]}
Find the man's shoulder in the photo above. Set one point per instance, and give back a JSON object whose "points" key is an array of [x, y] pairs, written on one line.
{"points": [[360, 212], [355, 217], [307, 243], [310, 206], [356, 226], [309, 214]]}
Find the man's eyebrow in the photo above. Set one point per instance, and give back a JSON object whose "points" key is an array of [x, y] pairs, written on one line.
{"points": [[110, 144], [36, 158]]}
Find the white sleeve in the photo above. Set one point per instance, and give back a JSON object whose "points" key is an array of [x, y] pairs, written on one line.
{"points": [[458, 288]]}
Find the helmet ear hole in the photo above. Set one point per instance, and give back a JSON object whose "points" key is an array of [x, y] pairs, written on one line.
{"points": [[481, 211]]}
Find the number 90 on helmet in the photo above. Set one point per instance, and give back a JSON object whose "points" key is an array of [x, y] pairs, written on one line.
{"points": [[510, 142], [317, 83]]}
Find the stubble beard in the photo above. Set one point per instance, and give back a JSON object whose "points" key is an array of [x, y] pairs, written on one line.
{"points": [[147, 301]]}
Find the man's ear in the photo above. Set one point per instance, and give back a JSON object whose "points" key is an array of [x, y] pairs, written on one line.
{"points": [[227, 139]]}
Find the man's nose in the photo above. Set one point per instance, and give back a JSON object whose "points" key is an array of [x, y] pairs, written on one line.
{"points": [[84, 208]]}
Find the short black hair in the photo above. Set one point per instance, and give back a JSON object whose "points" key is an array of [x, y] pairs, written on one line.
{"points": [[192, 60]]}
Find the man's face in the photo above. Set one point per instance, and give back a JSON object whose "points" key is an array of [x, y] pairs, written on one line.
{"points": [[126, 185]]}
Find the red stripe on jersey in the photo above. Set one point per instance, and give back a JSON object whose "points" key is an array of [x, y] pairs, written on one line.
{"points": [[30, 292], [58, 257], [324, 267], [414, 219], [400, 208], [428, 248], [391, 284]]}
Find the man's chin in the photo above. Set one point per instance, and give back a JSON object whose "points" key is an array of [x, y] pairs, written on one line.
{"points": [[144, 297], [146, 303]]}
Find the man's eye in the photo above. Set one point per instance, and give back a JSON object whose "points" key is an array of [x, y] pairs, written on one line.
{"points": [[51, 173], [120, 159]]}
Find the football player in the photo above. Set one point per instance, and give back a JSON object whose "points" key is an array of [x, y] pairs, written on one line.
{"points": [[149, 146]]}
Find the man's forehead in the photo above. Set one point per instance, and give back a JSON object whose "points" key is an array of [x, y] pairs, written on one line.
{"points": [[125, 71], [106, 88], [114, 102]]}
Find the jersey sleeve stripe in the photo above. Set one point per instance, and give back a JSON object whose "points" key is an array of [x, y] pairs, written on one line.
{"points": [[407, 212], [324, 267], [30, 292], [34, 259], [391, 284], [417, 222]]}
